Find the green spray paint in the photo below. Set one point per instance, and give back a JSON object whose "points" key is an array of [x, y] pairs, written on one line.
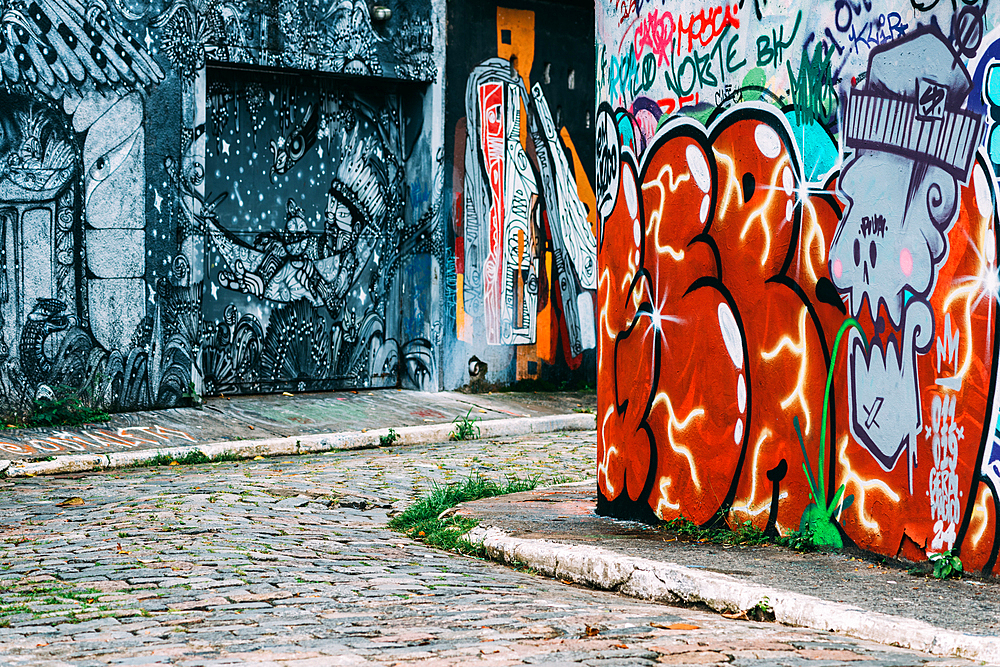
{"points": [[817, 524]]}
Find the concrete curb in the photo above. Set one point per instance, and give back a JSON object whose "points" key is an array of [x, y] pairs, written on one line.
{"points": [[667, 582], [303, 444]]}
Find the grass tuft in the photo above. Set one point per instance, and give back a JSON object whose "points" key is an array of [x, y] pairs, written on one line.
{"points": [[742, 533], [465, 427], [420, 521]]}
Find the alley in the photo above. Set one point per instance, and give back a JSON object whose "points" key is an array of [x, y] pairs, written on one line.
{"points": [[289, 562]]}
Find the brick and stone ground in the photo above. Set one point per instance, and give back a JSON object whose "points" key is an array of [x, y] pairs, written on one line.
{"points": [[289, 562]]}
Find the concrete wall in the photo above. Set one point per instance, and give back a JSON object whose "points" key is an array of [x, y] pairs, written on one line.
{"points": [[174, 211], [521, 286], [795, 197]]}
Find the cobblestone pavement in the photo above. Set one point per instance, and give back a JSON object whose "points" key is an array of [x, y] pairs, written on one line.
{"points": [[289, 562]]}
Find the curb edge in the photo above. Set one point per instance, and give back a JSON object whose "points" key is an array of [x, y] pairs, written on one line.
{"points": [[303, 444], [668, 582]]}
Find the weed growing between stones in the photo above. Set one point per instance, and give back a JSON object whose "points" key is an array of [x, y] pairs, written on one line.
{"points": [[744, 534], [946, 565], [389, 438], [720, 533], [191, 458], [64, 406], [194, 457], [51, 599], [762, 611], [465, 427], [424, 521]]}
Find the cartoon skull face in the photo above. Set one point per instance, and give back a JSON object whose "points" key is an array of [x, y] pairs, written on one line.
{"points": [[891, 237], [884, 257]]}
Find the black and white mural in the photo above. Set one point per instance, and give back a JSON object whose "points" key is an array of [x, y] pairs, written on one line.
{"points": [[159, 225], [336, 36], [305, 239]]}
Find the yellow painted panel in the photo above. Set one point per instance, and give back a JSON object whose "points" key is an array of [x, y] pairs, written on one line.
{"points": [[521, 23], [583, 188]]}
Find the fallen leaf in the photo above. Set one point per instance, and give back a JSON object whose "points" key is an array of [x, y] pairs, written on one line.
{"points": [[736, 615], [591, 631], [174, 463], [258, 458], [285, 393], [675, 626], [620, 646], [250, 427], [71, 502]]}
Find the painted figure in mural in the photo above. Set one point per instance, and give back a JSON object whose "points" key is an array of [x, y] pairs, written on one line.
{"points": [[278, 266], [289, 149], [502, 223], [295, 263], [324, 276], [36, 157], [915, 146], [76, 153]]}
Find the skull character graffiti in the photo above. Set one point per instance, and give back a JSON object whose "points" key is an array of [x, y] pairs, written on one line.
{"points": [[902, 192]]}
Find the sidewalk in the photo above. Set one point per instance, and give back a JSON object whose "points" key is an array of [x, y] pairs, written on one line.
{"points": [[555, 532], [273, 425]]}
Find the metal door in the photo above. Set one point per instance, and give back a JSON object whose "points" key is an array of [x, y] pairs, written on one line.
{"points": [[304, 191]]}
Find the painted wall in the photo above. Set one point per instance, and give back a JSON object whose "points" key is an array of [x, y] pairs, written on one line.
{"points": [[167, 219], [798, 268], [522, 276]]}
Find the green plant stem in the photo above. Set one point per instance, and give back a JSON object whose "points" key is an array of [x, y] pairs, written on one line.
{"points": [[849, 322], [805, 459]]}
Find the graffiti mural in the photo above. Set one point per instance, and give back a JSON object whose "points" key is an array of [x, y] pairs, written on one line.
{"points": [[305, 239], [797, 272], [524, 210], [337, 36], [74, 299], [115, 240]]}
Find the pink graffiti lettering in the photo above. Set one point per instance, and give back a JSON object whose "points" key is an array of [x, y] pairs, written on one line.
{"points": [[655, 32]]}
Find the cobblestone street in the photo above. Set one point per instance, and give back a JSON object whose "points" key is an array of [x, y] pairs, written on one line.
{"points": [[289, 562]]}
